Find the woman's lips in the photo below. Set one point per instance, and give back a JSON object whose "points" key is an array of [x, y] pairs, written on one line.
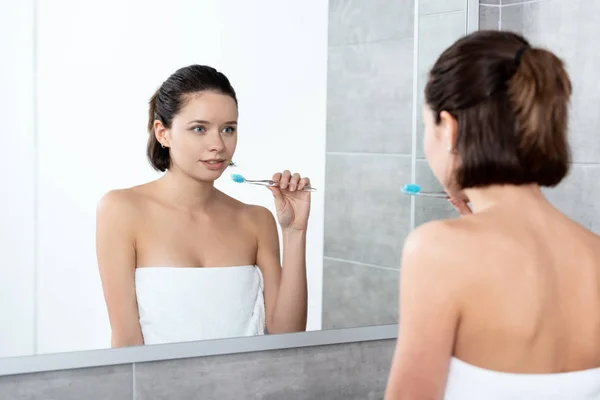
{"points": [[213, 165]]}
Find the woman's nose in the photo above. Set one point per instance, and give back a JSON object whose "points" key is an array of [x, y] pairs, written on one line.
{"points": [[216, 143]]}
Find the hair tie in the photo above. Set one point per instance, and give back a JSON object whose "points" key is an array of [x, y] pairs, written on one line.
{"points": [[519, 54]]}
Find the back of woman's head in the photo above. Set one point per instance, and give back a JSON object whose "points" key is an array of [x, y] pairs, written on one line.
{"points": [[171, 97], [510, 101]]}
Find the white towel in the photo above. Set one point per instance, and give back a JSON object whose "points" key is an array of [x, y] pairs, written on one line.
{"points": [[189, 304], [468, 382]]}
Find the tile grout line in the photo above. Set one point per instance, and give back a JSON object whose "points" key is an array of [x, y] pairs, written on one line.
{"points": [[359, 154], [523, 2], [500, 16], [512, 4], [362, 264], [133, 374], [462, 10], [578, 163], [423, 159], [376, 41], [415, 87], [588, 163]]}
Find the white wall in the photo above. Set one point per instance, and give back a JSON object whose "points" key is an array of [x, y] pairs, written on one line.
{"points": [[17, 182], [98, 63]]}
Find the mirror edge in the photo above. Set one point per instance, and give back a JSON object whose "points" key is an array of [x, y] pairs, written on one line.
{"points": [[175, 351], [472, 16]]}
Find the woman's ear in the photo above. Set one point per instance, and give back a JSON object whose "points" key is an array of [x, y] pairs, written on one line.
{"points": [[161, 133], [449, 127]]}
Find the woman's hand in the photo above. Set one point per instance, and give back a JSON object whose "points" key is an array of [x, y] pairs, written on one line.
{"points": [[460, 205], [291, 202]]}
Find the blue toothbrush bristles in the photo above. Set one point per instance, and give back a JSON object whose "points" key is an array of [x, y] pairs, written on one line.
{"points": [[238, 178], [411, 188]]}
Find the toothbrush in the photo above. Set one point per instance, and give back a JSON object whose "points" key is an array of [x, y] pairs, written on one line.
{"points": [[267, 182], [412, 189]]}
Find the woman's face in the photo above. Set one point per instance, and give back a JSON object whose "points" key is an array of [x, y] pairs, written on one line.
{"points": [[203, 135]]}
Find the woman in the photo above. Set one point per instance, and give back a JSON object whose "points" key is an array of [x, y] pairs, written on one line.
{"points": [[504, 302], [180, 260]]}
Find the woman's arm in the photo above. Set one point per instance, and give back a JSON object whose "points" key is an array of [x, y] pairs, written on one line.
{"points": [[115, 250], [285, 288], [429, 316]]}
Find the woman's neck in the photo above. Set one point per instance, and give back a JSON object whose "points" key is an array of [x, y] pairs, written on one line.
{"points": [[186, 192], [520, 196]]}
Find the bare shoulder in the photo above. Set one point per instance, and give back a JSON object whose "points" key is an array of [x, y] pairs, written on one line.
{"points": [[261, 217], [584, 234], [122, 204], [441, 252], [434, 277], [255, 216], [439, 240], [588, 241], [595, 239]]}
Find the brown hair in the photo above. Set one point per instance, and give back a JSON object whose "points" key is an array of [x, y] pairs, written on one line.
{"points": [[168, 100], [511, 104]]}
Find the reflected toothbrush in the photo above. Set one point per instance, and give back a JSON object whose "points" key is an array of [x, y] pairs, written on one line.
{"points": [[412, 189], [266, 182]]}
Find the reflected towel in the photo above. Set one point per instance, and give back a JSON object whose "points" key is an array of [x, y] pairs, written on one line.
{"points": [[190, 304]]}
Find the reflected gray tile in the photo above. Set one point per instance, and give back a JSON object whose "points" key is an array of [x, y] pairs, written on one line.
{"points": [[347, 371], [523, 18], [511, 2], [489, 18], [441, 6], [577, 196], [359, 21], [369, 97], [115, 383], [568, 29], [436, 33], [356, 295], [489, 2], [428, 208], [366, 215]]}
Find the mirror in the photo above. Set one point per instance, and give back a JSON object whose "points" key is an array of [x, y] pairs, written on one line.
{"points": [[336, 103]]}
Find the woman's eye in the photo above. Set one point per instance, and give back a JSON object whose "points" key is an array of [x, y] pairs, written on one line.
{"points": [[198, 129], [229, 130]]}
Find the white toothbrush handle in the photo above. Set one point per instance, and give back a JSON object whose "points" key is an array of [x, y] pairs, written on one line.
{"points": [[437, 195], [428, 194], [276, 184]]}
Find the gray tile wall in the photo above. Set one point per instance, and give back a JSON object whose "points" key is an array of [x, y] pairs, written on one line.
{"points": [[489, 14], [114, 383], [369, 141], [370, 149], [369, 144], [568, 27], [346, 371]]}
